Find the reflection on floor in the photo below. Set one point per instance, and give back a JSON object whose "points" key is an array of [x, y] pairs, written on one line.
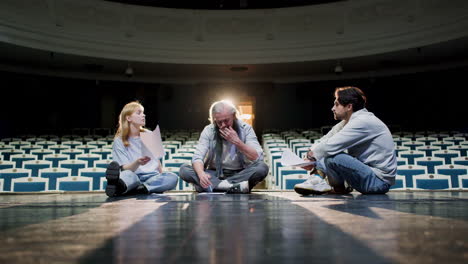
{"points": [[262, 227]]}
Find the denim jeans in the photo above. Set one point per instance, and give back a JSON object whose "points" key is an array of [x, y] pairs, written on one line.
{"points": [[343, 167], [154, 182]]}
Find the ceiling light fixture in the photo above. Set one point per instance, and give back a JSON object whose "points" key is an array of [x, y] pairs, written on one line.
{"points": [[338, 68], [129, 70]]}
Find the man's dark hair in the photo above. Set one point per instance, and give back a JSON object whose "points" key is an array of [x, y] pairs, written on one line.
{"points": [[351, 95]]}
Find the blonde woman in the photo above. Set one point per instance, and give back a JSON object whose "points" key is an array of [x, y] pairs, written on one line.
{"points": [[130, 171]]}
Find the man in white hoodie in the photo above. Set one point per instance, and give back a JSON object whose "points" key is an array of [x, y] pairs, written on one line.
{"points": [[358, 151]]}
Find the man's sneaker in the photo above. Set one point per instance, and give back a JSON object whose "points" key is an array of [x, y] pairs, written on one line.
{"points": [[241, 187], [344, 189], [313, 185], [113, 179]]}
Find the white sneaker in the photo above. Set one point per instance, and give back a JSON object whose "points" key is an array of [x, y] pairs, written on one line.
{"points": [[241, 187], [313, 185]]}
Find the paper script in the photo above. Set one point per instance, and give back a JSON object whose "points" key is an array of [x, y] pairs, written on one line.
{"points": [[152, 144], [288, 158]]}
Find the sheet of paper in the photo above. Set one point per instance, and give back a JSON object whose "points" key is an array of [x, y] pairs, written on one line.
{"points": [[152, 144], [288, 158]]}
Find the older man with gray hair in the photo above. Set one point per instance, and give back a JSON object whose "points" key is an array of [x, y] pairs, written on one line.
{"points": [[228, 157]]}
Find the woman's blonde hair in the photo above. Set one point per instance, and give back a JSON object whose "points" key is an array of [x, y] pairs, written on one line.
{"points": [[124, 128]]}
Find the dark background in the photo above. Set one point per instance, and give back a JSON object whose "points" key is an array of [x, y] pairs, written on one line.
{"points": [[33, 104]]}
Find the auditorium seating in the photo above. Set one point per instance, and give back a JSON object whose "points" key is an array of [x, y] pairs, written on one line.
{"points": [[51, 163]]}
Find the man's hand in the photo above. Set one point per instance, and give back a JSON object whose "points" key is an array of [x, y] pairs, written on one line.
{"points": [[230, 135], [309, 167], [310, 157], [204, 179]]}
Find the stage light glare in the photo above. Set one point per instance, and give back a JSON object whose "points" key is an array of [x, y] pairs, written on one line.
{"points": [[228, 100], [246, 117]]}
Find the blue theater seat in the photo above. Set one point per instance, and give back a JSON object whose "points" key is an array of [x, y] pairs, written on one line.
{"points": [[463, 182], [462, 149], [402, 161], [98, 143], [9, 174], [460, 161], [302, 152], [36, 165], [7, 164], [399, 149], [430, 163], [286, 181], [409, 171], [7, 153], [292, 179], [186, 156], [46, 144], [400, 182], [171, 147], [72, 144], [103, 152], [186, 149], [19, 144], [177, 143], [29, 184], [86, 148], [455, 140], [432, 182], [443, 144], [20, 158], [454, 171], [448, 155], [72, 153], [96, 174], [89, 158], [102, 163], [74, 183], [428, 149], [52, 174], [75, 165], [426, 140], [413, 144], [59, 148], [400, 140], [40, 153], [28, 149], [175, 163], [411, 155], [55, 158]]}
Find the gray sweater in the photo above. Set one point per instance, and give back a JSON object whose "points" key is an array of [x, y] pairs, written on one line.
{"points": [[364, 137]]}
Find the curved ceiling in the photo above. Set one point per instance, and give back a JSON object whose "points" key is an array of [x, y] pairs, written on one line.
{"points": [[446, 55], [46, 60], [224, 4]]}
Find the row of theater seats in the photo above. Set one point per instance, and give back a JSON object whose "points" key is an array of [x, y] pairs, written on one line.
{"points": [[430, 161], [78, 163], [40, 164]]}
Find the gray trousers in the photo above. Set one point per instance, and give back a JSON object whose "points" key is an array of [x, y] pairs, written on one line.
{"points": [[254, 173]]}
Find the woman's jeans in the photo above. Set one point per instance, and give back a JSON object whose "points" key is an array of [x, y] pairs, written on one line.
{"points": [[154, 182]]}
